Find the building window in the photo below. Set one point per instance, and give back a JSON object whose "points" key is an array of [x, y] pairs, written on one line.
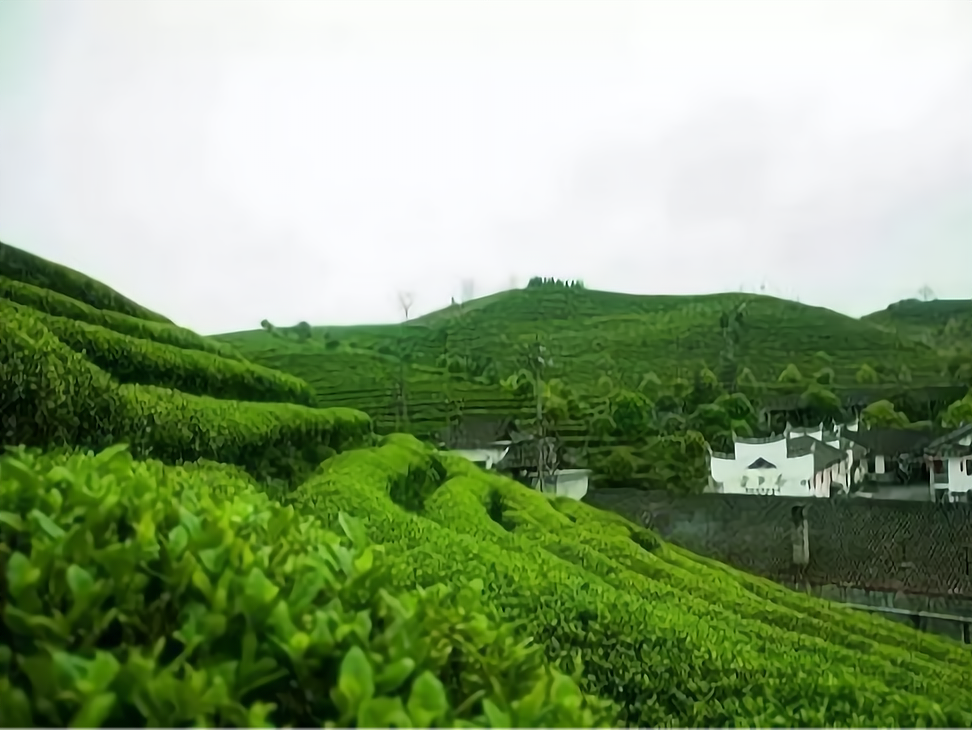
{"points": [[761, 480], [968, 466], [803, 482]]}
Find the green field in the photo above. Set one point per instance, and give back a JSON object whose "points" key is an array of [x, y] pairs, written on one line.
{"points": [[263, 562], [945, 324], [589, 335]]}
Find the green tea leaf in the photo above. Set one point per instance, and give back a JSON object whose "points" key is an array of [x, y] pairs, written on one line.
{"points": [[495, 716], [95, 711], [46, 524], [355, 680], [258, 589], [383, 712], [21, 574], [79, 581], [13, 520], [427, 701], [177, 540]]}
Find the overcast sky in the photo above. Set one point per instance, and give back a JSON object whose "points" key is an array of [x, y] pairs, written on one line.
{"points": [[223, 162]]}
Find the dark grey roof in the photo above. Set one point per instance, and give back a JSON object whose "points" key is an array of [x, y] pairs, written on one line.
{"points": [[890, 441], [949, 442], [523, 454], [823, 455], [474, 432], [761, 463]]}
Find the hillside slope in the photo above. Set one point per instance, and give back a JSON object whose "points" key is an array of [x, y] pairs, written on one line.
{"points": [[587, 335], [28, 268], [945, 324], [253, 564]]}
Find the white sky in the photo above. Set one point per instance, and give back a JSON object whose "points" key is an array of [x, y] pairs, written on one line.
{"points": [[226, 162]]}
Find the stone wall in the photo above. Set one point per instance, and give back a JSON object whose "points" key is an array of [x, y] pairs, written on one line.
{"points": [[920, 548]]}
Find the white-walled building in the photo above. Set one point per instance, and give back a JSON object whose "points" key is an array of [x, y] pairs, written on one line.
{"points": [[571, 483], [949, 461], [484, 441], [797, 463]]}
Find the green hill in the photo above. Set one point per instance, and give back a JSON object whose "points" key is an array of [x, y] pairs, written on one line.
{"points": [[945, 324], [587, 334], [247, 564], [27, 268]]}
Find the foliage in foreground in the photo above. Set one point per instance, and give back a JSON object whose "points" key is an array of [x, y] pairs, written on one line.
{"points": [[142, 595]]}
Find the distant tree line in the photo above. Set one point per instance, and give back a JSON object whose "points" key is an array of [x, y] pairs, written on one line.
{"points": [[300, 332], [538, 282]]}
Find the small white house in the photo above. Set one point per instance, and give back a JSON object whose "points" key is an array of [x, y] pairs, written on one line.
{"points": [[797, 463], [572, 483], [949, 460], [483, 440], [486, 456]]}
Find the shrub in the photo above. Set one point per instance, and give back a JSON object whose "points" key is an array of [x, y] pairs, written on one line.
{"points": [[50, 302], [141, 595], [133, 360], [670, 644], [30, 269], [54, 397]]}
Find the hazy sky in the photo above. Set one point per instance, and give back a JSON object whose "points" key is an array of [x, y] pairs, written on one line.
{"points": [[226, 162]]}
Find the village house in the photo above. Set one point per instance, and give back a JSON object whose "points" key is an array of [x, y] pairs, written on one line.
{"points": [[496, 444], [483, 440], [797, 463], [949, 465], [892, 454]]}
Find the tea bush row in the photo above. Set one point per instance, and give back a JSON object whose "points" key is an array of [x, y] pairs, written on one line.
{"points": [[133, 360], [51, 302], [670, 644], [53, 397], [142, 595], [22, 266]]}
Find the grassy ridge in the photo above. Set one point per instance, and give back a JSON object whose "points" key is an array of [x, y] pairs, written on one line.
{"points": [[942, 323], [132, 360], [54, 396], [587, 335], [53, 303], [582, 329], [655, 629], [25, 267]]}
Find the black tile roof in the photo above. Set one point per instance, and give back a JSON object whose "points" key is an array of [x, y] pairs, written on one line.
{"points": [[475, 432], [949, 443], [890, 441]]}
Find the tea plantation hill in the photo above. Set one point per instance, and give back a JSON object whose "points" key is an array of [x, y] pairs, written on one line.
{"points": [[588, 334], [945, 324], [216, 573]]}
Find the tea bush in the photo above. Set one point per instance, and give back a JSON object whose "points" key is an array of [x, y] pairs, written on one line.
{"points": [[671, 640], [51, 302], [132, 360], [53, 396], [142, 595], [20, 265]]}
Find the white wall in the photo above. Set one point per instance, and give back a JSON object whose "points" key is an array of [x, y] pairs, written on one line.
{"points": [[959, 481], [486, 457], [572, 483], [791, 472]]}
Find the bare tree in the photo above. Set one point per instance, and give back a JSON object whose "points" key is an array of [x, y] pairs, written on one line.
{"points": [[926, 293], [405, 300]]}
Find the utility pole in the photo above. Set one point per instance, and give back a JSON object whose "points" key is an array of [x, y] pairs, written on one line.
{"points": [[539, 362]]}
